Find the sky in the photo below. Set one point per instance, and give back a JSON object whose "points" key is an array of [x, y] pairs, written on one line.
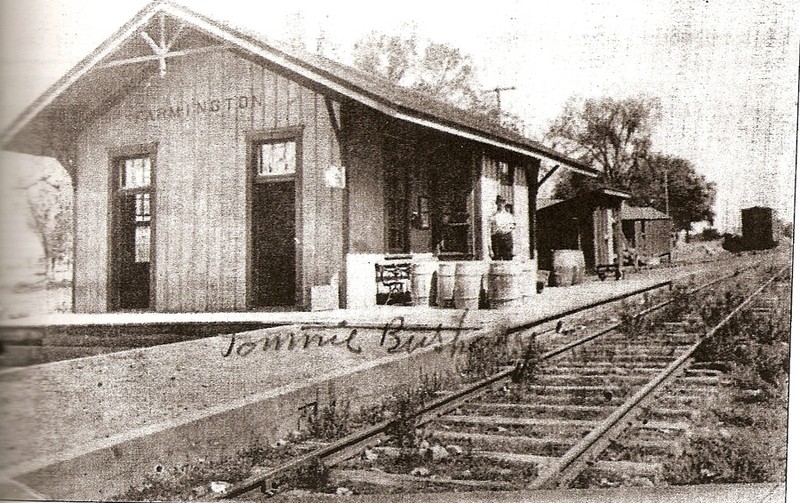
{"points": [[725, 71]]}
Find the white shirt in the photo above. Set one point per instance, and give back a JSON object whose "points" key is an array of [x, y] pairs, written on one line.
{"points": [[502, 222]]}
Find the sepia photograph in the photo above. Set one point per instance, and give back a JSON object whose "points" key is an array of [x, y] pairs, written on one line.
{"points": [[430, 252]]}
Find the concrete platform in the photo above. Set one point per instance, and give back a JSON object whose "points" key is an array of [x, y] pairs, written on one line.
{"points": [[552, 300], [709, 493], [42, 339]]}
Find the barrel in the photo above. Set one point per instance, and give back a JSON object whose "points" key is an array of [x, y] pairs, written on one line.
{"points": [[422, 285], [504, 280], [468, 280], [528, 280], [445, 284], [568, 267]]}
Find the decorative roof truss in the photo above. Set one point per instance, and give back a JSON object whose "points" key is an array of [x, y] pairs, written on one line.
{"points": [[163, 48]]}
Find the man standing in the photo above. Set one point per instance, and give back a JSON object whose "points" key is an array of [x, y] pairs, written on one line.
{"points": [[502, 227]]}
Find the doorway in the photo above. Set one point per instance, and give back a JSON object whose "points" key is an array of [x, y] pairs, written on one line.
{"points": [[273, 275], [132, 234]]}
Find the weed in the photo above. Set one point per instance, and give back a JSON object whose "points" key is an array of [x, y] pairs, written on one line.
{"points": [[332, 420], [631, 324], [526, 368], [485, 356], [190, 481], [742, 438]]}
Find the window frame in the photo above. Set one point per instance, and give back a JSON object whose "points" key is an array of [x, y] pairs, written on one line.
{"points": [[274, 136]]}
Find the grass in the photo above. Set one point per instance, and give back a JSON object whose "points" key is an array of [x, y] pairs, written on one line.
{"points": [[191, 481], [742, 437]]}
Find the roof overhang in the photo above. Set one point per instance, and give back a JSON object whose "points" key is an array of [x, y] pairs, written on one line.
{"points": [[53, 121]]}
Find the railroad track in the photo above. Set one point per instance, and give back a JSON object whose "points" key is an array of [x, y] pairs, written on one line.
{"points": [[584, 407]]}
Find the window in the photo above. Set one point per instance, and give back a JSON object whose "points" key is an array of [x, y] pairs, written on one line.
{"points": [[142, 208], [505, 173], [134, 194], [276, 158], [505, 186], [142, 233], [136, 173]]}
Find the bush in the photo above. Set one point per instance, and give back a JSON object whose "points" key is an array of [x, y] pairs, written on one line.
{"points": [[732, 243], [708, 234]]}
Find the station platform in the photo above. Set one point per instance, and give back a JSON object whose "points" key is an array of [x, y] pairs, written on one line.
{"points": [[48, 338], [707, 493], [77, 428]]}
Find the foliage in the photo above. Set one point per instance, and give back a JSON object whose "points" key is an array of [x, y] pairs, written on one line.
{"points": [[707, 234], [432, 68], [732, 242], [614, 136], [742, 438], [632, 324], [332, 421], [390, 56], [691, 196], [190, 481], [750, 456], [49, 201]]}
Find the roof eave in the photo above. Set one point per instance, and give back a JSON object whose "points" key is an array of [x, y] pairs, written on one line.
{"points": [[79, 70], [245, 43]]}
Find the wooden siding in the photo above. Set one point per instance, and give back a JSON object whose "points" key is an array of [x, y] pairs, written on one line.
{"points": [[650, 238], [365, 178], [201, 114]]}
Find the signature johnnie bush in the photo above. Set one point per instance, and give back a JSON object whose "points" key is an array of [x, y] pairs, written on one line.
{"points": [[394, 339]]}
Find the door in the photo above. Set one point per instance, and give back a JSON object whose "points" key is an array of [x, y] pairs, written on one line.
{"points": [[273, 259], [273, 244], [132, 234]]}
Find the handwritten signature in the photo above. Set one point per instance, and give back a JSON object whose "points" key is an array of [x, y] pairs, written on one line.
{"points": [[394, 339]]}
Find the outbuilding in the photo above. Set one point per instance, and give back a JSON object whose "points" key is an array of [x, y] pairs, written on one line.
{"points": [[214, 171], [648, 233], [588, 222]]}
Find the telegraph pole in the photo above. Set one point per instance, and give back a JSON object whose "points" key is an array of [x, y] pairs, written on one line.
{"points": [[497, 91]]}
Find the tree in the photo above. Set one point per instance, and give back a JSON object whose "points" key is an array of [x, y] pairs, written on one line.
{"points": [[691, 196], [436, 69], [614, 137], [49, 198], [390, 56], [611, 135]]}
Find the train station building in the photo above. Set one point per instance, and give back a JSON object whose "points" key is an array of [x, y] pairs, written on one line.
{"points": [[214, 171]]}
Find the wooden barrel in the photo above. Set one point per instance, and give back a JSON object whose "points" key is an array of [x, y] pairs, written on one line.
{"points": [[504, 279], [445, 284], [422, 285], [468, 281], [528, 278], [568, 267]]}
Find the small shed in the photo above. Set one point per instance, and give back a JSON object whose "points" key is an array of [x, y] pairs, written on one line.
{"points": [[648, 232], [214, 170], [588, 222]]}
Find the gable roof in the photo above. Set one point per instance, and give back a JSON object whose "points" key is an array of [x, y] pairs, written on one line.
{"points": [[544, 202], [641, 213], [55, 118]]}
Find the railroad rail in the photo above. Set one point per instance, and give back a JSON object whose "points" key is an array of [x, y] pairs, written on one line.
{"points": [[618, 362]]}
